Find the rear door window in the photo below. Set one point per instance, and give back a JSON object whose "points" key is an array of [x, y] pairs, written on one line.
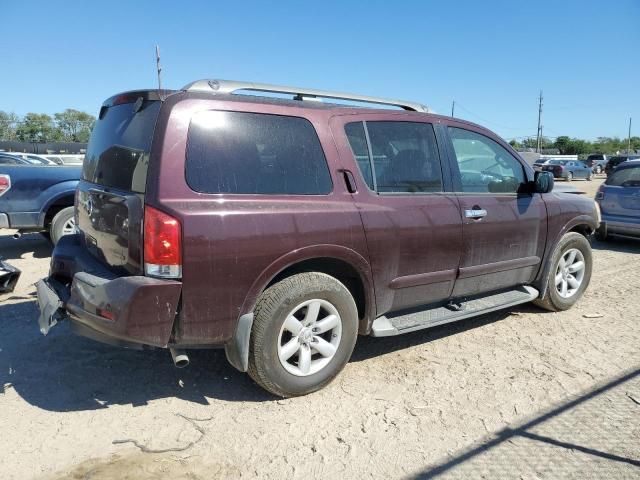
{"points": [[255, 153], [403, 156]]}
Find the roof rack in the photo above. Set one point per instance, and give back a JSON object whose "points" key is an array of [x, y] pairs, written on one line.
{"points": [[232, 86]]}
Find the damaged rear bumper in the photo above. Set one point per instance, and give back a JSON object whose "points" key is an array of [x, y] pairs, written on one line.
{"points": [[126, 310]]}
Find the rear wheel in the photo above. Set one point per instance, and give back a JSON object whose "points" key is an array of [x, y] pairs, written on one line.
{"points": [[62, 224], [569, 274], [589, 177], [598, 170], [569, 176], [601, 233], [304, 331]]}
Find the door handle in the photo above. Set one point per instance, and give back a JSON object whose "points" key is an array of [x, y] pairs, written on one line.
{"points": [[475, 213]]}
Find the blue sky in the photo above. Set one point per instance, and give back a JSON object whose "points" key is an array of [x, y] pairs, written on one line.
{"points": [[492, 57]]}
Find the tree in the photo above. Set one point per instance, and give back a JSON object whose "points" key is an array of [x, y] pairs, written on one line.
{"points": [[74, 125], [562, 143], [37, 127], [8, 124]]}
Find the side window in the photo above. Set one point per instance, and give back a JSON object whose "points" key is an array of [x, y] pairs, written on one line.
{"points": [[7, 161], [254, 153], [485, 166], [404, 156], [358, 141]]}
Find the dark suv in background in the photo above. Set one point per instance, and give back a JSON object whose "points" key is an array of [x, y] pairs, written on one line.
{"points": [[281, 229], [613, 162]]}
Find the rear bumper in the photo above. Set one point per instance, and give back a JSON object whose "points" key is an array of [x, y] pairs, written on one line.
{"points": [[621, 225], [129, 310]]}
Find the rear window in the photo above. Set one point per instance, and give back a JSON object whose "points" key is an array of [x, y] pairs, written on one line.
{"points": [[626, 177], [118, 151], [254, 153], [595, 157]]}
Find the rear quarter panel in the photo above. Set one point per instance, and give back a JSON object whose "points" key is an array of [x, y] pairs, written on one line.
{"points": [[234, 244]]}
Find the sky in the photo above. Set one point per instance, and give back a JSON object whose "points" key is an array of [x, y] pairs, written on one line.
{"points": [[491, 57]]}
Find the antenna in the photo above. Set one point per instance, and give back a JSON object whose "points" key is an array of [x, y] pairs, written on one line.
{"points": [[159, 68]]}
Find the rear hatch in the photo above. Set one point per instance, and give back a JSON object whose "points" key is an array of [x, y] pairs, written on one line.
{"points": [[621, 193], [110, 196]]}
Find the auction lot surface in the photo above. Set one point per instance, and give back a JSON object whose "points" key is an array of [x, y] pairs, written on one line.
{"points": [[515, 394]]}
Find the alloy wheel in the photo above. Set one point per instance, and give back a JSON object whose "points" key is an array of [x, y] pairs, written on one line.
{"points": [[570, 273]]}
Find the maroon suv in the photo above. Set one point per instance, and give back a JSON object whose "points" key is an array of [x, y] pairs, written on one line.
{"points": [[282, 229]]}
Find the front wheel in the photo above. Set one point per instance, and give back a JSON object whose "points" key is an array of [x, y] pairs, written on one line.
{"points": [[304, 331], [569, 274], [598, 170], [569, 176]]}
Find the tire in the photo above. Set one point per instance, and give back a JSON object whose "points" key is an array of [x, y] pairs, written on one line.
{"points": [[590, 177], [60, 224], [270, 336], [569, 176], [553, 299], [601, 233], [598, 170]]}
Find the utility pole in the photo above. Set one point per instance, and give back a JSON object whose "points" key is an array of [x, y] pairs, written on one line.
{"points": [[158, 67], [453, 107], [539, 142], [629, 138]]}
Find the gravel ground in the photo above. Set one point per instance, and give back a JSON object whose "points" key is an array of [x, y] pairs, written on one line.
{"points": [[515, 394]]}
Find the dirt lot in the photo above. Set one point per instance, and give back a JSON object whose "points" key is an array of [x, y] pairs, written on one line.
{"points": [[514, 394]]}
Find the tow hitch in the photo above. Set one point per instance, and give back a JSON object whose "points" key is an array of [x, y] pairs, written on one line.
{"points": [[8, 277]]}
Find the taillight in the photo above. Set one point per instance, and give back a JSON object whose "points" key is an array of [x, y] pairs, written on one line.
{"points": [[162, 244], [5, 184], [600, 193]]}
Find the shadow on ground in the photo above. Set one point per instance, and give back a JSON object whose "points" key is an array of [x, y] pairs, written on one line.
{"points": [[66, 372], [618, 244], [12, 249], [593, 435]]}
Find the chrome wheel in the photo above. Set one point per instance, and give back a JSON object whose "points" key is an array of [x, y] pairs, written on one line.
{"points": [[570, 273], [69, 227], [309, 337]]}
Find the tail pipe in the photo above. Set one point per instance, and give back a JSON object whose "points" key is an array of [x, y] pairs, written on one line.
{"points": [[180, 357]]}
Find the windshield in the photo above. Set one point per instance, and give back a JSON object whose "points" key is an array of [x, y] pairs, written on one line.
{"points": [[595, 157]]}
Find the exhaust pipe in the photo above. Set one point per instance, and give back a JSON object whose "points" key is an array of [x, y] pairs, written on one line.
{"points": [[17, 235], [180, 357]]}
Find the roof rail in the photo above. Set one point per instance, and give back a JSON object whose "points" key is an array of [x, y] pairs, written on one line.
{"points": [[232, 86]]}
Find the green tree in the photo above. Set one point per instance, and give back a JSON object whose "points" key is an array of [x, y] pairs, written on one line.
{"points": [[8, 125], [561, 144], [37, 127], [74, 125]]}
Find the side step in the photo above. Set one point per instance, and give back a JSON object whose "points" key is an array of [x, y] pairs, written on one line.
{"points": [[387, 326]]}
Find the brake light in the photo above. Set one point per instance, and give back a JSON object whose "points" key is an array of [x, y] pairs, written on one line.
{"points": [[5, 184], [162, 244], [600, 193]]}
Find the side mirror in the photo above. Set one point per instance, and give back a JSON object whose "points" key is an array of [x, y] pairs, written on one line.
{"points": [[543, 182]]}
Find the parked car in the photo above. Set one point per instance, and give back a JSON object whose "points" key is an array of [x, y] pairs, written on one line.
{"points": [[66, 159], [568, 169], [281, 229], [37, 198], [32, 158], [619, 201], [537, 166], [596, 162], [613, 162]]}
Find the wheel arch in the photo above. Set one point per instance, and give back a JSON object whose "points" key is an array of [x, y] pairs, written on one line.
{"points": [[342, 263], [63, 199]]}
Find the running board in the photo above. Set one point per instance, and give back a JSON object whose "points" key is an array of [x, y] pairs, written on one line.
{"points": [[387, 326]]}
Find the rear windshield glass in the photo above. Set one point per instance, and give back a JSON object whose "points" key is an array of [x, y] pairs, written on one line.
{"points": [[626, 177], [595, 157], [253, 153], [557, 162], [118, 151]]}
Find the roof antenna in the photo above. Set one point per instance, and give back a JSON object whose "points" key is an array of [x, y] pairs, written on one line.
{"points": [[159, 71]]}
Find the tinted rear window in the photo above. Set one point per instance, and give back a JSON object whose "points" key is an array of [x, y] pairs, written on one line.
{"points": [[254, 153], [595, 157], [118, 151], [626, 177]]}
